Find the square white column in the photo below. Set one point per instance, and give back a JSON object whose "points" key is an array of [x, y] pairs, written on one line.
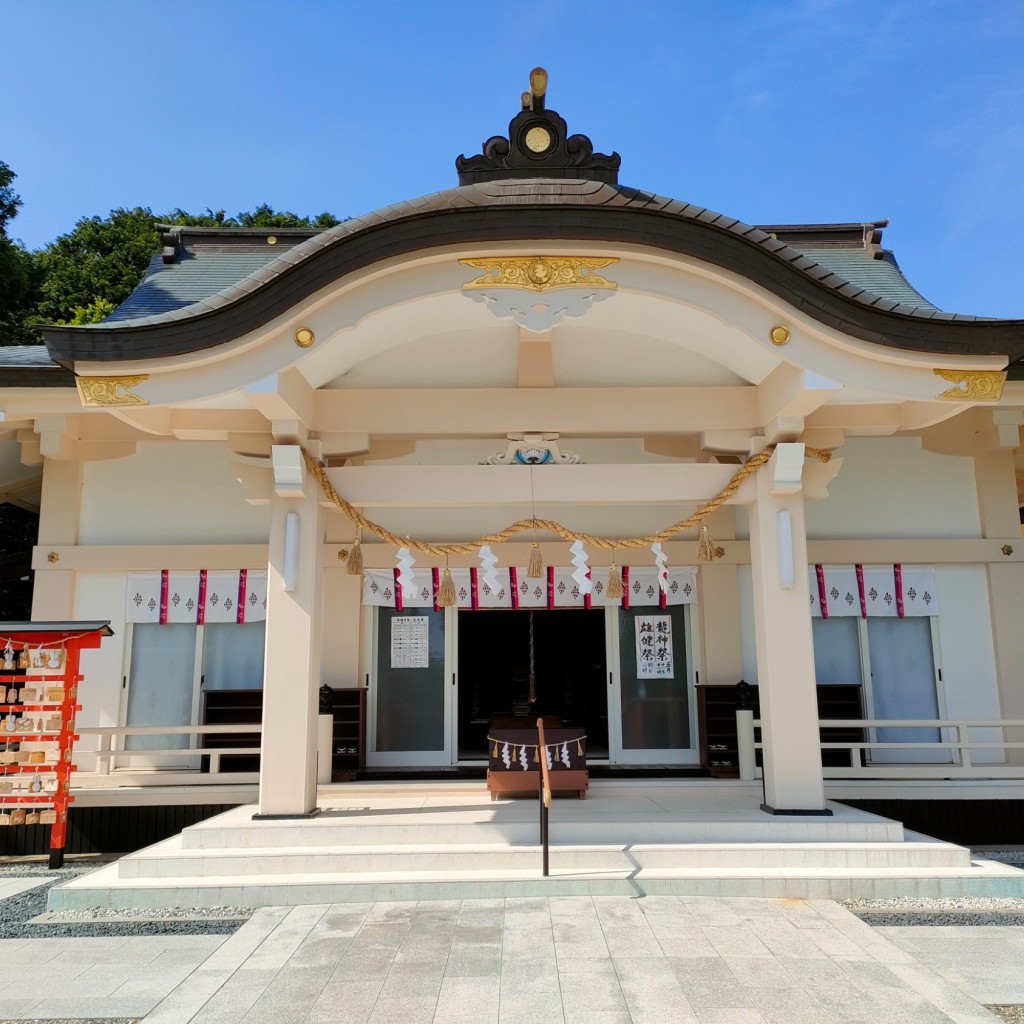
{"points": [[782, 629], [292, 662]]}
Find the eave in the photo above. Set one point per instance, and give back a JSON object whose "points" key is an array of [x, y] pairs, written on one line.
{"points": [[529, 211]]}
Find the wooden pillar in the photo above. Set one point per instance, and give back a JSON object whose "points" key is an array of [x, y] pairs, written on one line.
{"points": [[782, 628], [292, 663]]}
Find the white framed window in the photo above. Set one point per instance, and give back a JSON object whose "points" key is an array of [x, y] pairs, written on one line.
{"points": [[897, 663], [167, 669]]}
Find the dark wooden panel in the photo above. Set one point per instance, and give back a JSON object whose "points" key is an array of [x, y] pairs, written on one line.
{"points": [[967, 822], [109, 829]]}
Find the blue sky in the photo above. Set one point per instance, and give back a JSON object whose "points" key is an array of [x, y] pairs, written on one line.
{"points": [[769, 110]]}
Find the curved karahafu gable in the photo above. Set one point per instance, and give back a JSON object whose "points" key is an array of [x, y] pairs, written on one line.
{"points": [[539, 183], [527, 211]]}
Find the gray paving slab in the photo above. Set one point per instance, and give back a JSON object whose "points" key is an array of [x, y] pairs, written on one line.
{"points": [[16, 886], [986, 962]]}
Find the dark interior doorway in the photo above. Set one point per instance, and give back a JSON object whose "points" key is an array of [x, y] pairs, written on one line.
{"points": [[18, 530], [571, 673]]}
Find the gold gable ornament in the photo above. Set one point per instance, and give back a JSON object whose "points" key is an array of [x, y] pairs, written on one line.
{"points": [[972, 385], [540, 273], [102, 392]]}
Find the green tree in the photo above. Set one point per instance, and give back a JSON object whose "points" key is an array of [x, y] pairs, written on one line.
{"points": [[99, 259], [96, 265], [94, 313], [265, 216], [211, 219], [10, 201], [19, 277]]}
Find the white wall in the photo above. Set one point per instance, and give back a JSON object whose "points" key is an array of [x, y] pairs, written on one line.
{"points": [[966, 650], [891, 487], [101, 595], [169, 493]]}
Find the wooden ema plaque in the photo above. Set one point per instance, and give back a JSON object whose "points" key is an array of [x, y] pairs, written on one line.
{"points": [[513, 764]]}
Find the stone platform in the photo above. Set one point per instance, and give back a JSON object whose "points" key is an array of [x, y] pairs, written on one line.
{"points": [[415, 841]]}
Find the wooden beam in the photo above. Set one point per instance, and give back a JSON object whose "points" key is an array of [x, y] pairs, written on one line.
{"points": [[575, 412], [483, 486]]}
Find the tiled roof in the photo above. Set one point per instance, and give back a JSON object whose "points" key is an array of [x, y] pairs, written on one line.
{"points": [[522, 210], [31, 366], [210, 262], [197, 274], [879, 276]]}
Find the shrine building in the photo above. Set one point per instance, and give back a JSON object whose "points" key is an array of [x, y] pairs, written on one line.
{"points": [[539, 444]]}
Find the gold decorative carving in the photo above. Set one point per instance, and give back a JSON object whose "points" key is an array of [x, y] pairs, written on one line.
{"points": [[540, 273], [104, 391], [779, 335], [304, 337], [973, 385]]}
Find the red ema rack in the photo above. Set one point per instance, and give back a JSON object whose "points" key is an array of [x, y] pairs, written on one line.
{"points": [[57, 648]]}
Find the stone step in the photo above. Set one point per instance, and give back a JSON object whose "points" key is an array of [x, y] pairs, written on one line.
{"points": [[169, 859], [105, 888], [426, 830]]}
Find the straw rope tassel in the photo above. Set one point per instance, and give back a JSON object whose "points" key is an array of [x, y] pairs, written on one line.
{"points": [[579, 749], [705, 546], [613, 591], [535, 568], [446, 592], [355, 557]]}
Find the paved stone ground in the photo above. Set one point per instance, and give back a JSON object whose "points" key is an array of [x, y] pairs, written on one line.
{"points": [[558, 960], [986, 962]]}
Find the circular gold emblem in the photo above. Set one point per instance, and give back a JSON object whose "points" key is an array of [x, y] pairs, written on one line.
{"points": [[304, 337], [538, 139], [539, 272], [779, 335]]}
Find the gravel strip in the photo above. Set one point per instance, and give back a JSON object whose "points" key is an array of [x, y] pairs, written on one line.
{"points": [[934, 911], [143, 914], [17, 912], [1009, 1014]]}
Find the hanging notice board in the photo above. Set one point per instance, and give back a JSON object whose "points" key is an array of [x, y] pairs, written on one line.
{"points": [[40, 672]]}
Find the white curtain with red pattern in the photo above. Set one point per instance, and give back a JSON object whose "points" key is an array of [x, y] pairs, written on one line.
{"points": [[197, 596], [556, 589], [875, 591]]}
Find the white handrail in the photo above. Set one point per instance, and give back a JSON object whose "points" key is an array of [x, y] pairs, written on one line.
{"points": [[960, 748], [167, 730], [110, 752]]}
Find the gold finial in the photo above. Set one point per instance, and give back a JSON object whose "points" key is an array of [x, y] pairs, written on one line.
{"points": [[538, 87], [779, 335], [527, 99]]}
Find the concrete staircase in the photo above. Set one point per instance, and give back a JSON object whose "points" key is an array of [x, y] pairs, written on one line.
{"points": [[420, 841]]}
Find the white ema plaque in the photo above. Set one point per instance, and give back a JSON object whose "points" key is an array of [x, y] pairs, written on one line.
{"points": [[410, 641], [654, 647]]}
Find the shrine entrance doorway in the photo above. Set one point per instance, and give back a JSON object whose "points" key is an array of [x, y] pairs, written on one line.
{"points": [[524, 663], [588, 667], [438, 677]]}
